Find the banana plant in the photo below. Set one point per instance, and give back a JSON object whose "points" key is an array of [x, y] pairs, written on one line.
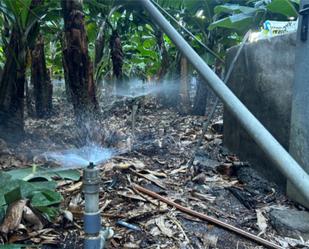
{"points": [[242, 17], [137, 34], [22, 18]]}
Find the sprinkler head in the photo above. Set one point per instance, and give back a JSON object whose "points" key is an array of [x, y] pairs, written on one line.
{"points": [[91, 165]]}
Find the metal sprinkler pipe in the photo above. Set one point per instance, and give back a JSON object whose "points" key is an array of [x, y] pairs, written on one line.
{"points": [[272, 148], [133, 117], [95, 237]]}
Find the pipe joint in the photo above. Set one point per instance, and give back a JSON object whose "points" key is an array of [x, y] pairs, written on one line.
{"points": [[92, 223], [94, 242], [99, 241], [91, 188]]}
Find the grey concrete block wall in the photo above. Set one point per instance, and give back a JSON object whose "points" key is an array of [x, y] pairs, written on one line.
{"points": [[262, 79], [299, 135]]}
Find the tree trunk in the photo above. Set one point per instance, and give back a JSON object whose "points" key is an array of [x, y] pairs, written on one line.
{"points": [[117, 58], [99, 44], [200, 99], [165, 63], [12, 82], [40, 80], [12, 85], [65, 73], [77, 64], [5, 34], [30, 105], [183, 91]]}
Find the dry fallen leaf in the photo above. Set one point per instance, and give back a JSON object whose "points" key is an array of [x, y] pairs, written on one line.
{"points": [[18, 237], [210, 241], [155, 173], [160, 222], [151, 178], [130, 194], [131, 245], [13, 216], [109, 166], [68, 215], [292, 243], [155, 231], [261, 222], [207, 197], [74, 187], [32, 218], [128, 163], [182, 169]]}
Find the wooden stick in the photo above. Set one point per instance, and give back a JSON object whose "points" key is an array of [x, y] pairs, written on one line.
{"points": [[215, 221]]}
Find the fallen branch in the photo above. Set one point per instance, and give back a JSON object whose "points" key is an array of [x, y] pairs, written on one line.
{"points": [[215, 221]]}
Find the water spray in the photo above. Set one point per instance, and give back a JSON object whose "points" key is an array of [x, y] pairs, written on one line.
{"points": [[89, 158], [95, 235], [138, 89]]}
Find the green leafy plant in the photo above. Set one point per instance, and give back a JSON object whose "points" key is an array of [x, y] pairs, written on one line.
{"points": [[17, 246], [242, 17], [27, 184]]}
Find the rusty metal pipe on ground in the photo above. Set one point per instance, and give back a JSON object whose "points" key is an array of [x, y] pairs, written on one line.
{"points": [[207, 218], [276, 153]]}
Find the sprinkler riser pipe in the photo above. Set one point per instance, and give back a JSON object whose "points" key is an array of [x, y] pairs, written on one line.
{"points": [[92, 201], [92, 218], [92, 223], [91, 190], [134, 111]]}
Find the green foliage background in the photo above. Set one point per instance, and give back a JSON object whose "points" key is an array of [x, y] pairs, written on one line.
{"points": [[218, 24]]}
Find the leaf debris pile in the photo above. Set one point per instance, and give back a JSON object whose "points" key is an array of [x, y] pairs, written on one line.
{"points": [[215, 184]]}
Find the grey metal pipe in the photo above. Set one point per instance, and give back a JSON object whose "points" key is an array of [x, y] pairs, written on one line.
{"points": [[92, 217], [285, 163], [95, 236]]}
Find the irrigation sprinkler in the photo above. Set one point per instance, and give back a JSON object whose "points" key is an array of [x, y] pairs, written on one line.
{"points": [[136, 90], [88, 158], [133, 116], [134, 94], [95, 235]]}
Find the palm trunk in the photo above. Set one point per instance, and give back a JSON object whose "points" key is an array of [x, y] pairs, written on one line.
{"points": [[165, 63], [200, 100], [30, 105], [183, 91], [40, 80], [77, 64], [99, 44], [12, 85], [65, 73], [117, 58]]}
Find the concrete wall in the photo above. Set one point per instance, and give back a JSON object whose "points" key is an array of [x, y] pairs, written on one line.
{"points": [[262, 78]]}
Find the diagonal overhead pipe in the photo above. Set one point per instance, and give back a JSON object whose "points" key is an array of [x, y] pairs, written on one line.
{"points": [[276, 153]]}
